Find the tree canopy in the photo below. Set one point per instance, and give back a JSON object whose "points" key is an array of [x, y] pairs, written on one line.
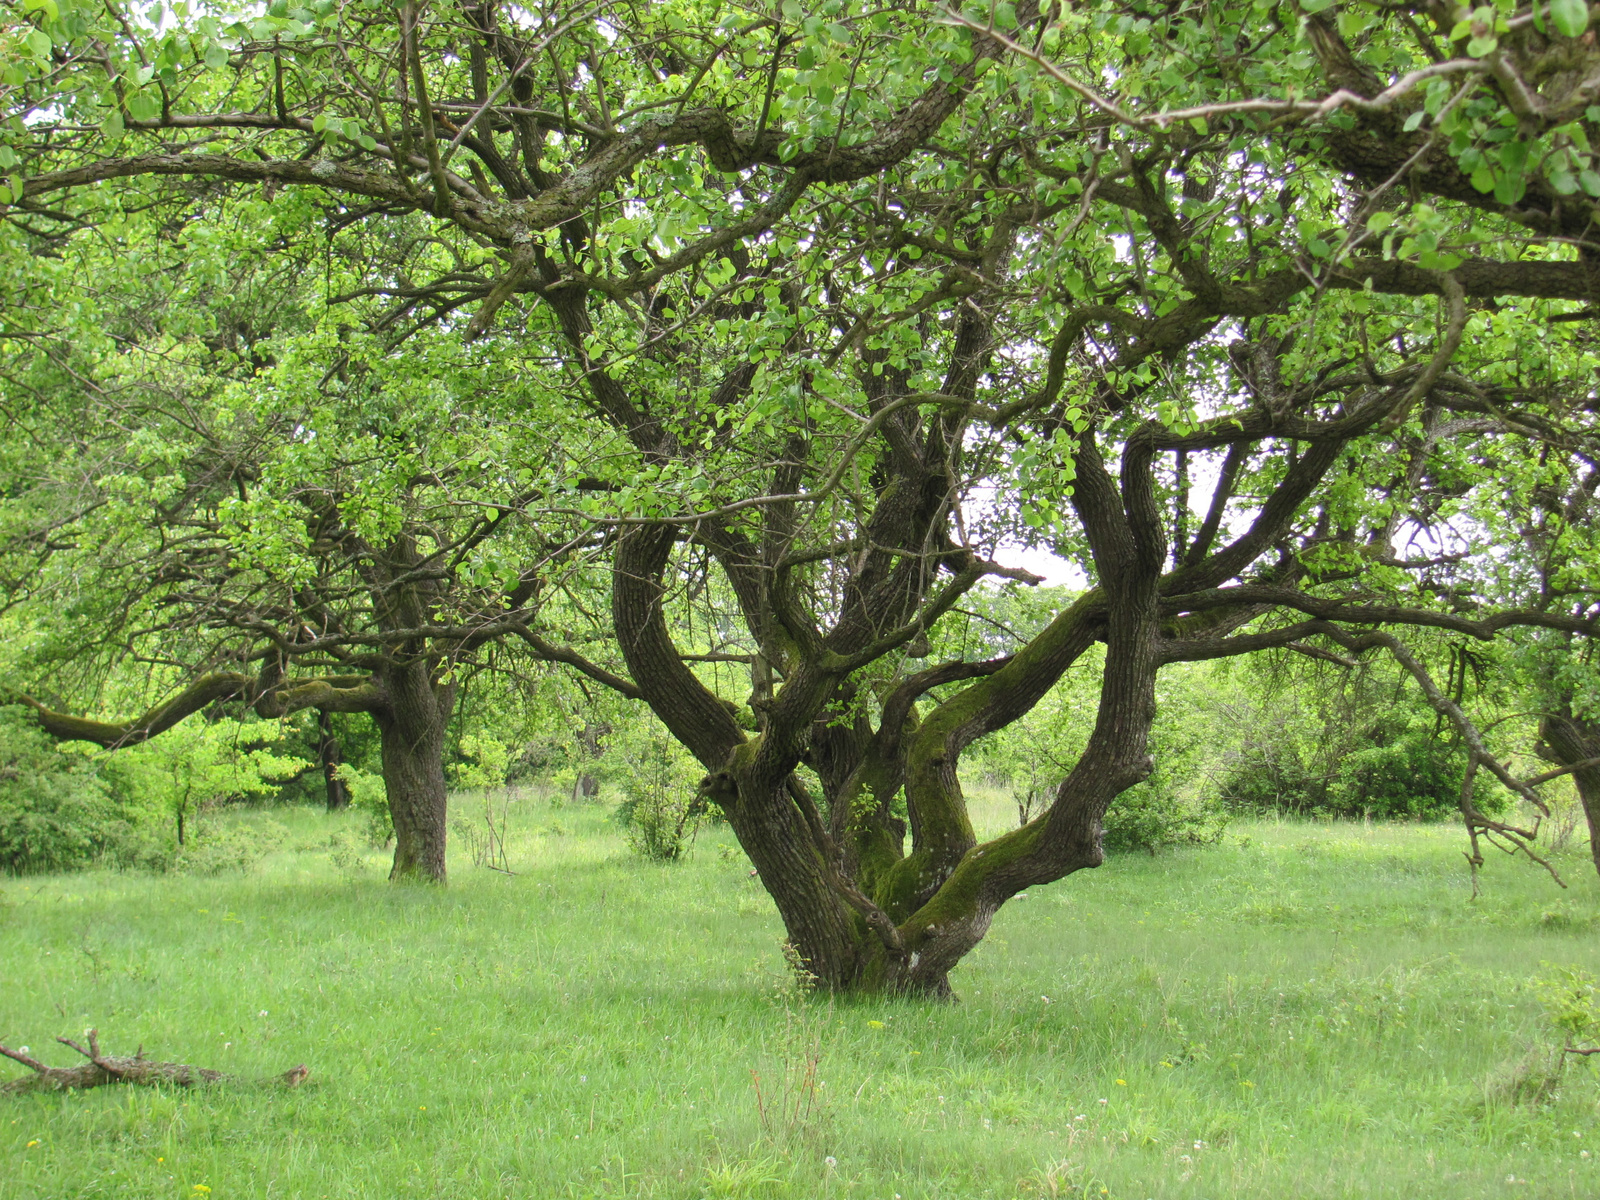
{"points": [[356, 341]]}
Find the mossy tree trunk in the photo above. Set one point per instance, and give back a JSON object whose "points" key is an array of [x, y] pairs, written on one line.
{"points": [[860, 913]]}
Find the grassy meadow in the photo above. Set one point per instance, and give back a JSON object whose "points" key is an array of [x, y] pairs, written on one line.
{"points": [[1303, 1011]]}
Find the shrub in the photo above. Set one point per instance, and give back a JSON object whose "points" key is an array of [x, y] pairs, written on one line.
{"points": [[370, 798], [56, 812], [345, 853], [1395, 766], [1155, 814], [63, 810], [661, 808], [219, 848]]}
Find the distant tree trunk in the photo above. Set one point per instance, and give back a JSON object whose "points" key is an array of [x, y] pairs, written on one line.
{"points": [[1569, 740], [587, 786], [411, 726], [331, 756]]}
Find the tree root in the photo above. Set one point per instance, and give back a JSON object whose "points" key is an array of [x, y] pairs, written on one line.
{"points": [[103, 1069]]}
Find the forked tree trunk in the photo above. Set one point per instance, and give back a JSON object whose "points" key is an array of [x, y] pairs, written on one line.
{"points": [[1066, 837], [411, 728], [1573, 740]]}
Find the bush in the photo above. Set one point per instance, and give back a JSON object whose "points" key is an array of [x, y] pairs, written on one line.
{"points": [[56, 812], [63, 810], [370, 798], [345, 852], [219, 849], [1154, 815], [1393, 767], [662, 807]]}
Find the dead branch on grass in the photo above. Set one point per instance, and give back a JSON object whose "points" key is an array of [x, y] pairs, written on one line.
{"points": [[103, 1069]]}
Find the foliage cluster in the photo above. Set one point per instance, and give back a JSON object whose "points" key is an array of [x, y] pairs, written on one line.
{"points": [[1359, 742], [64, 809], [368, 797], [57, 812]]}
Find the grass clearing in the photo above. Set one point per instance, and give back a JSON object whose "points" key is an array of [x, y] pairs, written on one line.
{"points": [[1306, 1010]]}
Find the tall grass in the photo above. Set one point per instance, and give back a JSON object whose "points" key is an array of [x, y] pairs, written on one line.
{"points": [[1304, 1011]]}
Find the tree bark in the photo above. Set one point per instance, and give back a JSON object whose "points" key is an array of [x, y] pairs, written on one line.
{"points": [[411, 728], [775, 821]]}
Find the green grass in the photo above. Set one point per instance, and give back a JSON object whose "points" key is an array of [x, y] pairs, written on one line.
{"points": [[1320, 1012]]}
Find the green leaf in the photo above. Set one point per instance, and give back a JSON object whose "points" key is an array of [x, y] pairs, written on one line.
{"points": [[216, 56], [1352, 22], [1482, 44], [39, 44], [1571, 17], [112, 126], [1414, 120], [1590, 180], [1379, 221], [142, 106]]}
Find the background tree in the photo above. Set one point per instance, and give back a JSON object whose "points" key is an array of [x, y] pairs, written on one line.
{"points": [[224, 480]]}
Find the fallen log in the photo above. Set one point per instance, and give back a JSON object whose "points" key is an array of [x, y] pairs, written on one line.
{"points": [[102, 1069]]}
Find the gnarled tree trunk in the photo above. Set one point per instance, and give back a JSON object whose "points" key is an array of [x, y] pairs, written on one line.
{"points": [[861, 915]]}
